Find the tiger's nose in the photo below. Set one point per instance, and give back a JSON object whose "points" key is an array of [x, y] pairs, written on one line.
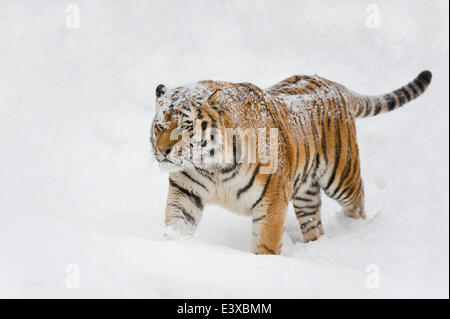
{"points": [[164, 150]]}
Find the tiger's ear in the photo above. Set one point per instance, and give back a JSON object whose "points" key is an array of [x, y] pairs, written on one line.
{"points": [[217, 98], [160, 90]]}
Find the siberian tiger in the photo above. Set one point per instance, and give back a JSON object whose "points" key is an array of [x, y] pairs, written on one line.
{"points": [[316, 149]]}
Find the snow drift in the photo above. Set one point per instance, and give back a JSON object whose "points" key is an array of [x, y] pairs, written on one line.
{"points": [[79, 189]]}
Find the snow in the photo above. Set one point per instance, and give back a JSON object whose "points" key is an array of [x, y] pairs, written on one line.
{"points": [[79, 186]]}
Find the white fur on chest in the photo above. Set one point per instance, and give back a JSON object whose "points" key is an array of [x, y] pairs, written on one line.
{"points": [[231, 194]]}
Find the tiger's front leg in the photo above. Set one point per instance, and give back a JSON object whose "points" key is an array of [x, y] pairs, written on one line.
{"points": [[183, 209], [268, 227]]}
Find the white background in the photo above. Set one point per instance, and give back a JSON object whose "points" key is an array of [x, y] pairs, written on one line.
{"points": [[78, 184]]}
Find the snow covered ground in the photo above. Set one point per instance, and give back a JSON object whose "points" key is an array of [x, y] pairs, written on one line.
{"points": [[81, 195]]}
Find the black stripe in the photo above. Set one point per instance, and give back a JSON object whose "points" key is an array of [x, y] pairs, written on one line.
{"points": [[204, 173], [347, 191], [344, 190], [357, 190], [302, 226], [349, 183], [337, 155], [229, 169], [401, 96], [348, 163], [316, 82], [309, 192], [368, 107], [313, 91], [413, 88], [194, 198], [406, 93], [306, 145], [230, 177], [360, 108], [324, 145], [316, 166], [296, 181], [199, 114], [250, 183], [298, 186], [313, 123], [313, 227], [304, 214], [252, 89], [378, 105], [390, 102], [303, 199], [263, 192], [187, 216], [193, 180], [268, 249], [307, 207], [315, 133], [420, 84], [352, 191], [213, 121], [258, 219]]}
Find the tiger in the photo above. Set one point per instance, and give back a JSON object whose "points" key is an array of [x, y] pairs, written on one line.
{"points": [[316, 150]]}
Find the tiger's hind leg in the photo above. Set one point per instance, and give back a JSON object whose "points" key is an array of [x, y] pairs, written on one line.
{"points": [[307, 205], [347, 188], [352, 200]]}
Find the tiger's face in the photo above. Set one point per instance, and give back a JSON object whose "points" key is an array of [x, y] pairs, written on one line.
{"points": [[187, 128]]}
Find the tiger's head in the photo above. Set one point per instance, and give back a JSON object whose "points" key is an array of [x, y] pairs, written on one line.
{"points": [[187, 129]]}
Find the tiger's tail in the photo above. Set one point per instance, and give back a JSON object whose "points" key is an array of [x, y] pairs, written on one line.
{"points": [[373, 105]]}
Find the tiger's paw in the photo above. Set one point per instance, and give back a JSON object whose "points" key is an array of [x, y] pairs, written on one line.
{"points": [[178, 231], [355, 213], [313, 233]]}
